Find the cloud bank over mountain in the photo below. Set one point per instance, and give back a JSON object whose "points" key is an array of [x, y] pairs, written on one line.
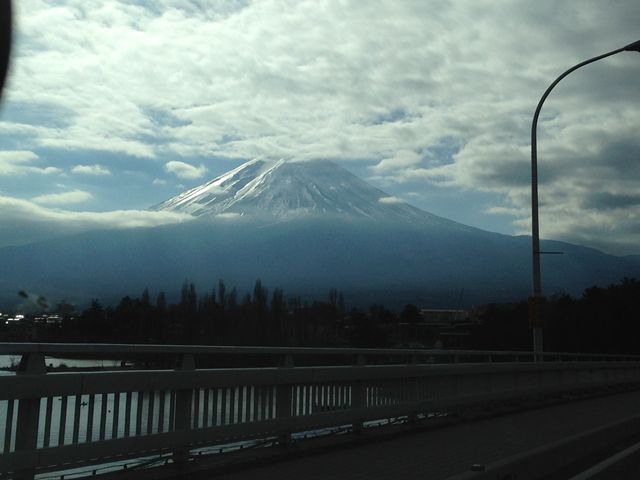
{"points": [[27, 221]]}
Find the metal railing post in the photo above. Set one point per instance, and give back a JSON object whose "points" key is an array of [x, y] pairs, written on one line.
{"points": [[414, 399], [183, 410], [357, 402], [284, 402], [358, 394], [28, 412]]}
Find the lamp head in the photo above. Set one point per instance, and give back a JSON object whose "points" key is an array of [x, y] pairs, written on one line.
{"points": [[633, 47]]}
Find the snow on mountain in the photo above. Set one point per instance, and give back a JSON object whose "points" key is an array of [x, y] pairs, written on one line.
{"points": [[287, 189]]}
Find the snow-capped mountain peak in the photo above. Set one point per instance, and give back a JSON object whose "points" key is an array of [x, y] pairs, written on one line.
{"points": [[287, 189]]}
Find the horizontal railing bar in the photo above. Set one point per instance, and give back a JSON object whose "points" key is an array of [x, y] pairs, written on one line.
{"points": [[86, 383], [14, 348]]}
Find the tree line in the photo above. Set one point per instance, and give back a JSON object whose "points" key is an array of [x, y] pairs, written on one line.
{"points": [[215, 317], [601, 320]]}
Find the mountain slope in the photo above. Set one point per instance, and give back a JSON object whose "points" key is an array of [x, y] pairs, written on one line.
{"points": [[306, 227], [370, 262]]}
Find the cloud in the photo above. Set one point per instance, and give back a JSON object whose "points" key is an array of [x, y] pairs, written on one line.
{"points": [[18, 157], [97, 170], [24, 221], [184, 170], [64, 198], [587, 195], [19, 163], [401, 159], [388, 84], [159, 181], [228, 215], [390, 200]]}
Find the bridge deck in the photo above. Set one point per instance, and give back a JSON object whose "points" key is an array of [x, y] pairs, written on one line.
{"points": [[440, 453]]}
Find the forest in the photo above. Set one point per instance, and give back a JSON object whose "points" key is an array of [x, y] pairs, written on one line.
{"points": [[601, 320]]}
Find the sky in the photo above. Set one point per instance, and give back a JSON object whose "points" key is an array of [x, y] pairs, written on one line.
{"points": [[112, 107]]}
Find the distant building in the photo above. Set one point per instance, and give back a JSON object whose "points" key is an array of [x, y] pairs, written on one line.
{"points": [[444, 317], [452, 327]]}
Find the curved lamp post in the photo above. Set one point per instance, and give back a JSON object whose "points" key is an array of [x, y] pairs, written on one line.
{"points": [[536, 298]]}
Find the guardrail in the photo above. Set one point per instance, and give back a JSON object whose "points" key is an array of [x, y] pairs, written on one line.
{"points": [[288, 354], [55, 421]]}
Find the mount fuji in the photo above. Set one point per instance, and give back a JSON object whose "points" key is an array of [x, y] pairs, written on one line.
{"points": [[306, 227], [293, 190]]}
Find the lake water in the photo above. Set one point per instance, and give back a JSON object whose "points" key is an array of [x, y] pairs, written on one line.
{"points": [[8, 361]]}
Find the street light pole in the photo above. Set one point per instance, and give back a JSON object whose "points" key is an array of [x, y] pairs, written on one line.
{"points": [[536, 298]]}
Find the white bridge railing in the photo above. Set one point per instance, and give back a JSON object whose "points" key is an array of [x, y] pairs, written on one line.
{"points": [[56, 421]]}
